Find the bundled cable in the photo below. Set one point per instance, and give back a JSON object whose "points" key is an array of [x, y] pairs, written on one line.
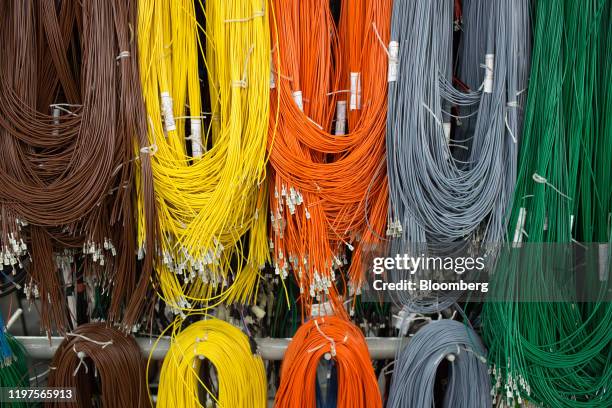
{"points": [[443, 191], [558, 353], [68, 128], [417, 365], [99, 360], [208, 167], [329, 189], [340, 342], [207, 346]]}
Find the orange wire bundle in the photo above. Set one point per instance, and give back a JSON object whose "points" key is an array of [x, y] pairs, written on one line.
{"points": [[337, 339], [329, 191]]}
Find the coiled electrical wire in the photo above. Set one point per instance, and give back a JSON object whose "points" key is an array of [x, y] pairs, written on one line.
{"points": [[340, 342], [98, 357], [210, 179], [68, 121], [436, 199], [558, 353], [329, 191], [239, 373], [418, 364]]}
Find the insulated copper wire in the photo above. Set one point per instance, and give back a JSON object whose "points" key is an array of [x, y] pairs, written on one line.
{"points": [[98, 359], [72, 127]]}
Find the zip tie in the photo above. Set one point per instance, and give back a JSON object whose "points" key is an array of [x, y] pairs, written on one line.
{"points": [[338, 91], [246, 19], [541, 180], [508, 127], [149, 149], [123, 54], [81, 355], [239, 84], [331, 341], [382, 43], [104, 344], [59, 107], [243, 82]]}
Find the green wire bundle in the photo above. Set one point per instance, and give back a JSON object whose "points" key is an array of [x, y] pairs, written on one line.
{"points": [[559, 354], [13, 365]]}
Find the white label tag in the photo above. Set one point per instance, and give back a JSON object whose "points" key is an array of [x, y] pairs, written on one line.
{"points": [[355, 102], [196, 137], [393, 61], [341, 118], [488, 79], [168, 112], [297, 97]]}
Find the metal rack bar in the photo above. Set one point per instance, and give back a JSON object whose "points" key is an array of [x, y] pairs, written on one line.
{"points": [[381, 348]]}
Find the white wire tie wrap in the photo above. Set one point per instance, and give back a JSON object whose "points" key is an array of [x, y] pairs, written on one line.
{"points": [[355, 101], [242, 83], [149, 149], [332, 343], [168, 111], [393, 69], [255, 15], [81, 355], [122, 55], [103, 344], [542, 180], [488, 79]]}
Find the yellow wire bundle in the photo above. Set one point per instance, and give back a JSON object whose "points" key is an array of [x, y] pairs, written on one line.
{"points": [[207, 201], [240, 374]]}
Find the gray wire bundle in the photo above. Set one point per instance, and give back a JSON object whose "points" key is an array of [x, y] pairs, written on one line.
{"points": [[443, 190], [416, 366]]}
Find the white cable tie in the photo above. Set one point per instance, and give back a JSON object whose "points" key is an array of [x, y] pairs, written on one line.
{"points": [[149, 149], [542, 180], [338, 91], [123, 54], [380, 40], [508, 127], [104, 344], [255, 15], [60, 107], [81, 355], [239, 84]]}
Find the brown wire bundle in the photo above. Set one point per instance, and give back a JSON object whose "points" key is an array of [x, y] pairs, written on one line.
{"points": [[97, 354], [66, 178]]}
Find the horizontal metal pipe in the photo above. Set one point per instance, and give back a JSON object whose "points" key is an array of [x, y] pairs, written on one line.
{"points": [[40, 347]]}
